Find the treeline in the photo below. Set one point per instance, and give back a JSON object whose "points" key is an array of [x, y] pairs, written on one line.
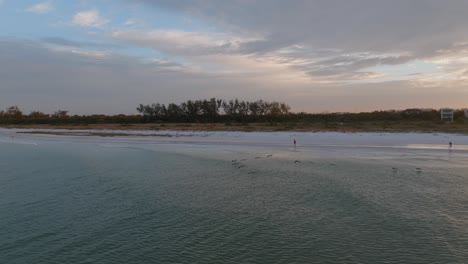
{"points": [[14, 115], [215, 110], [220, 111]]}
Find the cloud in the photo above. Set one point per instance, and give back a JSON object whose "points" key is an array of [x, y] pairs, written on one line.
{"points": [[59, 41], [354, 25], [179, 42], [90, 18], [215, 52], [83, 81], [351, 66], [40, 8], [130, 22], [393, 33], [201, 46]]}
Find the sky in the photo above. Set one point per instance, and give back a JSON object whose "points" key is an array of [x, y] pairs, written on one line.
{"points": [[109, 56]]}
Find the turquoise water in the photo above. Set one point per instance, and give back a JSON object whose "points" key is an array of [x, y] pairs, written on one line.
{"points": [[81, 202]]}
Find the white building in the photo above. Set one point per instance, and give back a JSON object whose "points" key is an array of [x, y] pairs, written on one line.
{"points": [[446, 114]]}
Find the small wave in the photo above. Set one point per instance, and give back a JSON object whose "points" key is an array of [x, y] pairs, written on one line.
{"points": [[111, 146], [18, 142], [436, 146]]}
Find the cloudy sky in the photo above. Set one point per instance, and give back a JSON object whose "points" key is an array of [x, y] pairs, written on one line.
{"points": [[108, 56]]}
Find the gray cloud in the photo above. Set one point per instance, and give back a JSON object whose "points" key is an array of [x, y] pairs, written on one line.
{"points": [[357, 25], [35, 77], [318, 33], [78, 44], [350, 66]]}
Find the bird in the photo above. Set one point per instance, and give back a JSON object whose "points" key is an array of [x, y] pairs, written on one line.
{"points": [[296, 161], [251, 172]]}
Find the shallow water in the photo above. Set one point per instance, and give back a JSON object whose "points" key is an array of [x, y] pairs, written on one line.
{"points": [[65, 201]]}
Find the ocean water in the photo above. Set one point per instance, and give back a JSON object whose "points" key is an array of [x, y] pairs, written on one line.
{"points": [[98, 201]]}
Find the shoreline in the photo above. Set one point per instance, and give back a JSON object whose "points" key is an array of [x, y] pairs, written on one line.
{"points": [[321, 141]]}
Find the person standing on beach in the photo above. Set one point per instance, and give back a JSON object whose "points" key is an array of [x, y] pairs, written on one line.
{"points": [[450, 144], [294, 142]]}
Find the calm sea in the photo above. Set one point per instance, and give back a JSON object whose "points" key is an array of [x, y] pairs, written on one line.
{"points": [[81, 202]]}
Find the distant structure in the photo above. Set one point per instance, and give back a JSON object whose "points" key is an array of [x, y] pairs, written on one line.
{"points": [[427, 110], [416, 111], [412, 111], [446, 114]]}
